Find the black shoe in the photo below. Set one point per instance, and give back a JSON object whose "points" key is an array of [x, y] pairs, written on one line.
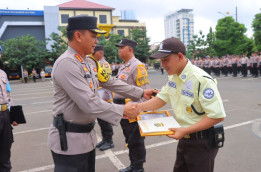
{"points": [[106, 145], [100, 144], [128, 169]]}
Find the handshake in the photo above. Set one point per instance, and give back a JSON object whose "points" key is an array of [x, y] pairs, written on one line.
{"points": [[131, 110]]}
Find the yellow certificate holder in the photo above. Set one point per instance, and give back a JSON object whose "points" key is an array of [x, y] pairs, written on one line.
{"points": [[153, 115]]}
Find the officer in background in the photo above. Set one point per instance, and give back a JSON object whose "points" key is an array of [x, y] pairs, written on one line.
{"points": [[106, 128], [6, 134], [244, 65], [133, 72], [197, 106], [234, 65], [255, 64], [76, 106]]}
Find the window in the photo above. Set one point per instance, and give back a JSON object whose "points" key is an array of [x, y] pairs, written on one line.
{"points": [[121, 32], [64, 18], [103, 18]]}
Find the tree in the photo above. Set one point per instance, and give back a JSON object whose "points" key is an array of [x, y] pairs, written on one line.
{"points": [[59, 44], [256, 25], [230, 38], [25, 51], [110, 50], [201, 45], [142, 51]]}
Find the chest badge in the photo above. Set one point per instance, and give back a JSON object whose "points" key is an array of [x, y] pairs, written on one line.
{"points": [[123, 76], [90, 84], [94, 69], [188, 85], [85, 69], [189, 109]]}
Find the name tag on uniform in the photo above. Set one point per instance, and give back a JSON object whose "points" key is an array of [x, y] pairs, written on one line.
{"points": [[172, 84], [187, 93]]}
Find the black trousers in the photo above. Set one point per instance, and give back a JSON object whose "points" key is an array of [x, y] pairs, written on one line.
{"points": [[255, 70], [34, 78], [244, 70], [260, 68], [225, 70], [74, 163], [6, 140], [234, 68], [137, 151], [25, 79], [194, 156], [106, 129]]}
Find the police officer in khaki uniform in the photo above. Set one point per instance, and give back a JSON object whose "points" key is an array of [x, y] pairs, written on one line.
{"points": [[106, 128], [133, 72], [6, 135], [197, 106], [71, 137]]}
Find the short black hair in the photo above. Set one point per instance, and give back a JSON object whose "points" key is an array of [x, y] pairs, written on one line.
{"points": [[71, 33]]}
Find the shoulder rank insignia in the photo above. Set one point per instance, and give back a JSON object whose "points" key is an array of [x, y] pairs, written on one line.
{"points": [[79, 57], [142, 75]]}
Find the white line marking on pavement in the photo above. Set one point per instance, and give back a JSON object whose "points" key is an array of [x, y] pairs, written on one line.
{"points": [[239, 124], [32, 90], [37, 103], [256, 127], [116, 162], [126, 151], [39, 169], [29, 131], [38, 112], [32, 98], [31, 93]]}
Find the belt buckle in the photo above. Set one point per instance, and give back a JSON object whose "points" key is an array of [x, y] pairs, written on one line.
{"points": [[3, 107], [187, 136]]}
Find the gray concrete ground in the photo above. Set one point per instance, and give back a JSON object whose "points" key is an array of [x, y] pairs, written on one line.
{"points": [[241, 153]]}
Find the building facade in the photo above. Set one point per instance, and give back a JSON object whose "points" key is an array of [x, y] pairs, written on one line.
{"points": [[41, 24], [180, 24]]}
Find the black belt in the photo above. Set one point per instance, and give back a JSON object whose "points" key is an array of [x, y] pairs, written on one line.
{"points": [[199, 135], [119, 101], [75, 128]]}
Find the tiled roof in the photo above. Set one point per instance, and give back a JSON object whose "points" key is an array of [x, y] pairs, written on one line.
{"points": [[82, 4]]}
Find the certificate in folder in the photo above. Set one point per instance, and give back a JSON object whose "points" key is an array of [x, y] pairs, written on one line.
{"points": [[17, 114], [156, 123]]}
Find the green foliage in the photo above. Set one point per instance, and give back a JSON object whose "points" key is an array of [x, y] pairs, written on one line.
{"points": [[230, 38], [59, 44], [142, 49], [256, 25], [25, 51], [110, 50], [202, 45]]}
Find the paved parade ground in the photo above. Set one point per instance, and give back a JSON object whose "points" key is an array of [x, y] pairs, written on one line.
{"points": [[241, 152]]}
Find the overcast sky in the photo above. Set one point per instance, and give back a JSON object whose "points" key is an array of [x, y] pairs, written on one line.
{"points": [[152, 12]]}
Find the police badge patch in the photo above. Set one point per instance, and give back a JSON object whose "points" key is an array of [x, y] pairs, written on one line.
{"points": [[208, 93]]}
